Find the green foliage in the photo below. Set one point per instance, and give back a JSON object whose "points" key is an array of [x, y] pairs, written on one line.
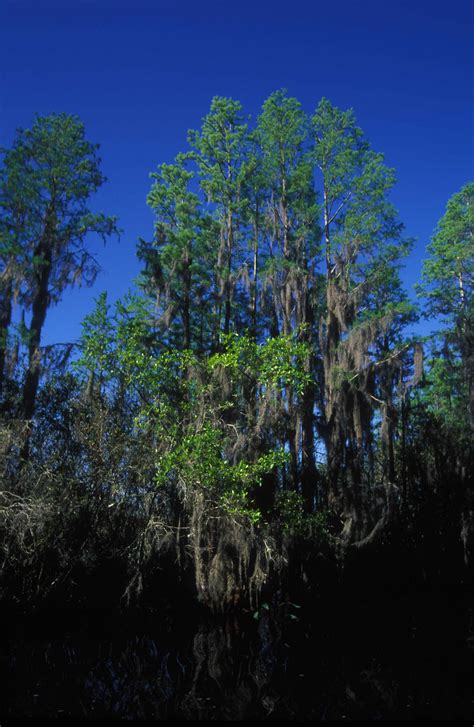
{"points": [[282, 132], [447, 288], [444, 393], [96, 356], [197, 462], [356, 182], [175, 272], [118, 350], [448, 272], [47, 178], [290, 511], [221, 146], [276, 362], [46, 181], [192, 443]]}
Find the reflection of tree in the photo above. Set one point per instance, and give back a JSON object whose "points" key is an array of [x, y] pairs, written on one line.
{"points": [[232, 672]]}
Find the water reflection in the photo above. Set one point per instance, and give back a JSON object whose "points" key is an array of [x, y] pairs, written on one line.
{"points": [[268, 667], [232, 670]]}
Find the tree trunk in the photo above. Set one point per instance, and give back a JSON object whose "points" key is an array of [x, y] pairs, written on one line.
{"points": [[39, 309], [308, 466], [228, 287], [6, 308], [254, 288], [466, 345], [187, 303]]}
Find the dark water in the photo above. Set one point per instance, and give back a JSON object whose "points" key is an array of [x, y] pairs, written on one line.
{"points": [[229, 671], [287, 661]]}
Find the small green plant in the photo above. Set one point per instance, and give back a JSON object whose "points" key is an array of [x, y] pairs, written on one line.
{"points": [[289, 510]]}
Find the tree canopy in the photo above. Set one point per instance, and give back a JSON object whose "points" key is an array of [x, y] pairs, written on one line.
{"points": [[47, 178], [261, 381]]}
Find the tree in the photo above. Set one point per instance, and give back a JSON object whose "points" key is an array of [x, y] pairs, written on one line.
{"points": [[221, 147], [254, 258], [50, 173], [175, 270], [8, 283], [14, 188], [362, 246], [292, 212], [440, 444], [448, 276], [293, 235]]}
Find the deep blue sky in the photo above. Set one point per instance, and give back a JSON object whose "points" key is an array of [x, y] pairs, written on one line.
{"points": [[140, 74]]}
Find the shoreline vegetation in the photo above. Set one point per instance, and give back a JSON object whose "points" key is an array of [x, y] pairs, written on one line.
{"points": [[246, 492]]}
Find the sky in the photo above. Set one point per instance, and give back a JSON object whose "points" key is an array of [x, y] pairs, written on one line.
{"points": [[140, 74]]}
